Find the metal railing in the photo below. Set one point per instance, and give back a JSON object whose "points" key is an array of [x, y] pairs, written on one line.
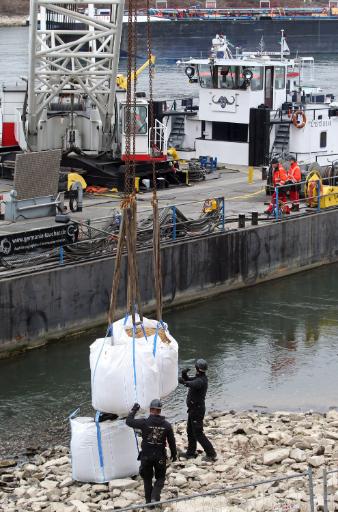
{"points": [[313, 201], [248, 496]]}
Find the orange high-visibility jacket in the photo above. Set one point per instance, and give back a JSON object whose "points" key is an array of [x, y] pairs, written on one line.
{"points": [[280, 176], [294, 173]]}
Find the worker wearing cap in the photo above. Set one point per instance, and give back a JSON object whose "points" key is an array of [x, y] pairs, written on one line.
{"points": [[156, 432], [279, 178], [294, 177], [198, 386]]}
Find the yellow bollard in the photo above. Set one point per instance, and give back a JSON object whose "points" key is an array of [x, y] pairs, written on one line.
{"points": [[250, 174], [137, 183]]}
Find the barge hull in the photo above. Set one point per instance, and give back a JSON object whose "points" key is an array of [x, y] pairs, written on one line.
{"points": [[191, 38], [46, 304]]}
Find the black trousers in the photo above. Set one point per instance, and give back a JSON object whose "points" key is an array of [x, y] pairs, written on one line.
{"points": [[149, 467], [196, 434]]}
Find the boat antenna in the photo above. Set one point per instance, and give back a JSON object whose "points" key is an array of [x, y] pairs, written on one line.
{"points": [[261, 46], [282, 45]]}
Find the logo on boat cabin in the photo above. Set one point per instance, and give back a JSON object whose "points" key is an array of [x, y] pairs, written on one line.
{"points": [[223, 101]]}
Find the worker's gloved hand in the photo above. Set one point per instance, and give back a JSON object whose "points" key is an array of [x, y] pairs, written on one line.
{"points": [[181, 380], [173, 457], [186, 370], [136, 407]]}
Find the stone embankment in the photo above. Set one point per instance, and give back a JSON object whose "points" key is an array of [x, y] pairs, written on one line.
{"points": [[12, 21], [250, 447]]}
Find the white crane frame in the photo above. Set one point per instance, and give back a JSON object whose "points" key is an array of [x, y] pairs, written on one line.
{"points": [[58, 65]]}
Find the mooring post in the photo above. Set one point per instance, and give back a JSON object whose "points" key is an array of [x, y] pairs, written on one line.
{"points": [[241, 220], [311, 494], [276, 203], [326, 508], [61, 255], [318, 195], [173, 208], [254, 218], [223, 213]]}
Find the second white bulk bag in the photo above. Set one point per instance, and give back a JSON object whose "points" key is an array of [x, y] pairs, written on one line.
{"points": [[102, 451], [122, 375]]}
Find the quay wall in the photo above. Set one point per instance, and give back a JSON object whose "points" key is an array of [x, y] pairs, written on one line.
{"points": [[49, 303]]}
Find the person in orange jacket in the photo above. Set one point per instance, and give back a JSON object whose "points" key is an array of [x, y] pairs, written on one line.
{"points": [[279, 178], [294, 177]]}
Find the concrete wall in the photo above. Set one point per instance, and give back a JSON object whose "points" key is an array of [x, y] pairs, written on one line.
{"points": [[50, 303]]}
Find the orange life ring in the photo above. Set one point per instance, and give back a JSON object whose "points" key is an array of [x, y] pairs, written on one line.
{"points": [[295, 119]]}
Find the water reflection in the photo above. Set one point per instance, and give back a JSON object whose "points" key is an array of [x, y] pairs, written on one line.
{"points": [[274, 345]]}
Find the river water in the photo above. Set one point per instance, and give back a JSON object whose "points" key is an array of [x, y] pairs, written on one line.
{"points": [[273, 346]]}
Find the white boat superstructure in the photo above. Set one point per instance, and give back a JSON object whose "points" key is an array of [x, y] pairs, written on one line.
{"points": [[253, 106]]}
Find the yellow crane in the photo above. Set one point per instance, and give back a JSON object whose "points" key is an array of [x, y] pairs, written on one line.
{"points": [[121, 80]]}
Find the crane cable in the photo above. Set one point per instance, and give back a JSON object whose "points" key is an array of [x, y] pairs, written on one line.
{"points": [[128, 231], [156, 223]]}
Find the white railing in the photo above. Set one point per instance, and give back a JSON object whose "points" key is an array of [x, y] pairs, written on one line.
{"points": [[158, 139]]}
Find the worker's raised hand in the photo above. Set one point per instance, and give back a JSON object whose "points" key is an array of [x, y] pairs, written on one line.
{"points": [[136, 407]]}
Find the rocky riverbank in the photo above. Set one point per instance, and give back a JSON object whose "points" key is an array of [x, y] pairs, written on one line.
{"points": [[250, 446], [13, 21]]}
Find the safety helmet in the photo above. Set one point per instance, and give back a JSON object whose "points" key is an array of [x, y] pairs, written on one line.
{"points": [[156, 404], [201, 365], [274, 161]]}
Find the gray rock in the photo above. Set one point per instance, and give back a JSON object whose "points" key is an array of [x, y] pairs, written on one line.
{"points": [[7, 463], [80, 506], [49, 484], [121, 503], [178, 479], [297, 455], [99, 488], [190, 471], [275, 456], [66, 482], [122, 483], [56, 462], [316, 460]]}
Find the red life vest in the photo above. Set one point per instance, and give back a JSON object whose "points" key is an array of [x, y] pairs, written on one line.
{"points": [[294, 174], [280, 176]]}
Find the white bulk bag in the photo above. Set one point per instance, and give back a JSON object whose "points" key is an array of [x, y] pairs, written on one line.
{"points": [[117, 447], [165, 353], [122, 375]]}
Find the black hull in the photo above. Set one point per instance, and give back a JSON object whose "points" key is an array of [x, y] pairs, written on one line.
{"points": [[192, 38]]}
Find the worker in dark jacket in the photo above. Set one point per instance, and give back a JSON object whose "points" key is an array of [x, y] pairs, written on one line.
{"points": [[198, 387], [156, 431]]}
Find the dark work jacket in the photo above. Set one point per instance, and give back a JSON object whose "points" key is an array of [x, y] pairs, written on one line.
{"points": [[198, 387], [156, 431]]}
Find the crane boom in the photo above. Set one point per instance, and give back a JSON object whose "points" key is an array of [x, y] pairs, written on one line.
{"points": [[73, 55]]}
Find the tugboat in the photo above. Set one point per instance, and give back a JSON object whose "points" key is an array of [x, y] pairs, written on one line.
{"points": [[252, 107]]}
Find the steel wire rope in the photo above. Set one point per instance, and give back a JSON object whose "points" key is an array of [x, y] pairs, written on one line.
{"points": [[152, 139]]}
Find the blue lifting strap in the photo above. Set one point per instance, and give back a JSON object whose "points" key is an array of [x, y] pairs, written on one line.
{"points": [[99, 443], [74, 413], [162, 324], [134, 357]]}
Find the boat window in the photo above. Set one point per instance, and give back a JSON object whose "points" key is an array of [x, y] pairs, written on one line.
{"points": [[231, 77], [279, 77], [205, 77], [141, 121], [257, 78], [323, 139]]}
